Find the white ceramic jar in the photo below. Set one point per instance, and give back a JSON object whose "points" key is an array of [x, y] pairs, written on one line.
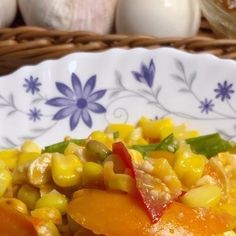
{"points": [[161, 18]]}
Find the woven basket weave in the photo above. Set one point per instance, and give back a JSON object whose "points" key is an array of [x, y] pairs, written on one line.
{"points": [[30, 45]]}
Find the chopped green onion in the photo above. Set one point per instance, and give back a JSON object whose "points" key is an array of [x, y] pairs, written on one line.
{"points": [[116, 135], [60, 147], [209, 145], [168, 144]]}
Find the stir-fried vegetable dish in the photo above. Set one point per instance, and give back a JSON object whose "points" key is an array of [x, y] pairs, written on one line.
{"points": [[154, 178]]}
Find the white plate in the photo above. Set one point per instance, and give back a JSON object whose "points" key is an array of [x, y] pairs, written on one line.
{"points": [[84, 91]]}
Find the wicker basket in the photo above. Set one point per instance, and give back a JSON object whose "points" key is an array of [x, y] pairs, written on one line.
{"points": [[29, 45]]}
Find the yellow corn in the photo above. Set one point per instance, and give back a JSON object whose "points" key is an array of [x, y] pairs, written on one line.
{"points": [[181, 132], [20, 172], [39, 171], [92, 174], [29, 195], [188, 166], [204, 196], [5, 181], [123, 130], [48, 214], [164, 171], [53, 199], [101, 137], [157, 129], [71, 148], [16, 204], [136, 138], [66, 170], [114, 181], [9, 157], [169, 156], [229, 208], [30, 146], [47, 228], [136, 156], [46, 188]]}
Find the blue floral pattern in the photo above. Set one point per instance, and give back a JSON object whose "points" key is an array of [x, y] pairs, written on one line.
{"points": [[34, 114], [78, 101], [146, 74], [32, 85], [206, 105], [156, 85], [224, 90]]}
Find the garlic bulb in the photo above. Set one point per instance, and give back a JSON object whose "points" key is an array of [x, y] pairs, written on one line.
{"points": [[162, 18], [7, 12], [88, 15]]}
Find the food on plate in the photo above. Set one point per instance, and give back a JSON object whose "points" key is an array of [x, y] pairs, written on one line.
{"points": [[8, 11], [154, 178]]}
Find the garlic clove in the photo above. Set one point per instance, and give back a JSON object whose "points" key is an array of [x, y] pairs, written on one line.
{"points": [[161, 18], [8, 9], [85, 15]]}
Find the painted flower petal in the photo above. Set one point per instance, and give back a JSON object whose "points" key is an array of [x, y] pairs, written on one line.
{"points": [[87, 118], [89, 86], [64, 112], [96, 95], [60, 102], [65, 90], [96, 107], [76, 84], [74, 119], [137, 76]]}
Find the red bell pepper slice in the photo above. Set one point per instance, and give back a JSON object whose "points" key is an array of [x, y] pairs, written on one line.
{"points": [[151, 191]]}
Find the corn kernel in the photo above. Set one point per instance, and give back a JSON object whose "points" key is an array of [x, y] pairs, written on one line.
{"points": [[46, 188], [30, 146], [169, 156], [101, 137], [71, 148], [20, 172], [123, 130], [39, 171], [66, 170], [29, 195], [16, 204], [92, 174], [157, 129], [5, 181], [53, 199], [188, 166], [204, 196], [164, 171], [47, 228], [136, 156], [9, 157], [181, 132], [142, 121], [48, 214], [120, 182]]}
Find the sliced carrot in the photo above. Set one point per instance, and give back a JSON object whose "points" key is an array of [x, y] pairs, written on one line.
{"points": [[14, 223], [116, 214]]}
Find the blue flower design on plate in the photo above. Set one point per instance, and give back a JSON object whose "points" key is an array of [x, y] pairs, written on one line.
{"points": [[146, 74], [78, 101], [224, 90], [206, 105], [34, 114], [32, 85]]}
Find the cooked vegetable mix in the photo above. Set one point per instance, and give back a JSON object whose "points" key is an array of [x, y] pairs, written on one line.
{"points": [[149, 179]]}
